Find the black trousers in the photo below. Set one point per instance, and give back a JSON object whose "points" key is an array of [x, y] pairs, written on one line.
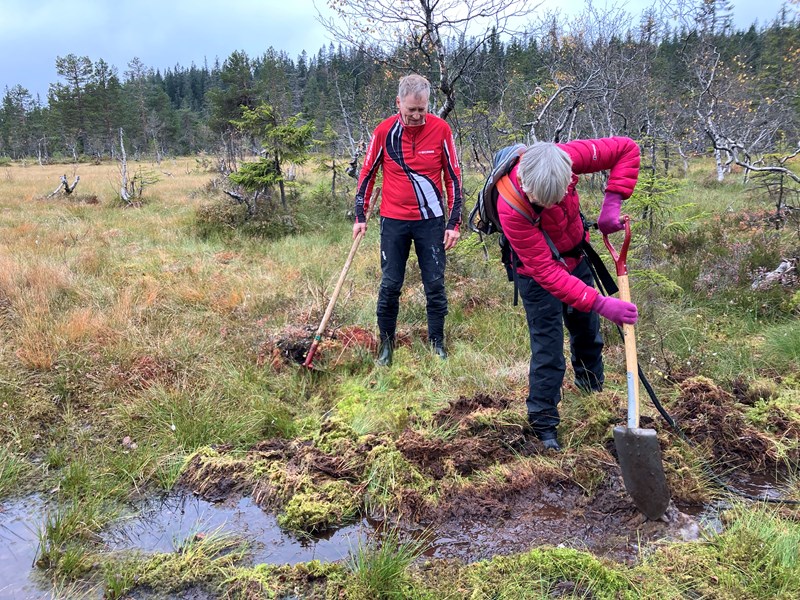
{"points": [[396, 238], [546, 316]]}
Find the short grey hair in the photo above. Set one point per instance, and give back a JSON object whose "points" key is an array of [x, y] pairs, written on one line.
{"points": [[414, 85], [545, 171]]}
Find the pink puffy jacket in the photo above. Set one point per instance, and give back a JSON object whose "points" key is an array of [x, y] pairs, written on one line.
{"points": [[563, 222]]}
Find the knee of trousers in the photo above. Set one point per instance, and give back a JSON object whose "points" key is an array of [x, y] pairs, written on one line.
{"points": [[391, 288]]}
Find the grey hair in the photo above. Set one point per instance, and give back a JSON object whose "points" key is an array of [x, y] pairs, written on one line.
{"points": [[545, 171], [413, 85]]}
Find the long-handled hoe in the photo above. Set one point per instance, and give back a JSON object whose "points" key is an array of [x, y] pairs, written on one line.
{"points": [[637, 449], [308, 363]]}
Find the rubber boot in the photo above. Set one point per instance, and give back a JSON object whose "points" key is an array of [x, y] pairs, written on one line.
{"points": [[547, 435], [550, 441], [385, 352], [438, 349]]}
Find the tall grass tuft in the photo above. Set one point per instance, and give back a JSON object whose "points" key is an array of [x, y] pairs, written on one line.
{"points": [[782, 346], [379, 569], [11, 472]]}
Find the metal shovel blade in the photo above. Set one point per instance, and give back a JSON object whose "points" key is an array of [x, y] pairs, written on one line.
{"points": [[639, 456]]}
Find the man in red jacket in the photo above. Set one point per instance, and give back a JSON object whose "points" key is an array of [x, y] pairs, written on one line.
{"points": [[420, 166], [560, 292]]}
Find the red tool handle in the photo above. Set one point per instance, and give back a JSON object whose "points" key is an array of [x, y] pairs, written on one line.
{"points": [[621, 258]]}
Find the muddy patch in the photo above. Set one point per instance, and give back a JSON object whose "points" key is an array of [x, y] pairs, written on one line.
{"points": [[483, 486]]}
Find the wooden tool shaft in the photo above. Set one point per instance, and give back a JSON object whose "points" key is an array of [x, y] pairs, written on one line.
{"points": [[631, 362]]}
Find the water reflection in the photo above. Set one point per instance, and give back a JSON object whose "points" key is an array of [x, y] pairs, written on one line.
{"points": [[162, 526]]}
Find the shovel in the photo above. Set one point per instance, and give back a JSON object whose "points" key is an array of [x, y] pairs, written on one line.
{"points": [[308, 363], [638, 451]]}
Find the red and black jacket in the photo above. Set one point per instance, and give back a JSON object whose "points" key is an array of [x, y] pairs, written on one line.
{"points": [[419, 166]]}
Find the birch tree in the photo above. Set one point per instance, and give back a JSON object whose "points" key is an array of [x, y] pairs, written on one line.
{"points": [[439, 39]]}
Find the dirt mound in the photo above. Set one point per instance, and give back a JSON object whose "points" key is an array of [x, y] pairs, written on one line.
{"points": [[463, 455], [711, 417], [462, 407], [469, 435]]}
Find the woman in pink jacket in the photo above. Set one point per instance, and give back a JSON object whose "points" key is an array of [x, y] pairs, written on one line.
{"points": [[557, 292]]}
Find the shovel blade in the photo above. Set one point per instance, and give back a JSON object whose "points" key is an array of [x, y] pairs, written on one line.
{"points": [[639, 456]]}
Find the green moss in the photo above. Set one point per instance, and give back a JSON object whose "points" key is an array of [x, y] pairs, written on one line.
{"points": [[371, 410], [313, 579], [388, 475], [542, 570], [335, 437], [319, 509], [197, 562]]}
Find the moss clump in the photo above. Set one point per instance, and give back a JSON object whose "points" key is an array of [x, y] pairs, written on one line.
{"points": [[589, 419], [307, 580], [371, 410], [199, 561], [388, 476], [320, 509], [335, 437], [552, 572]]}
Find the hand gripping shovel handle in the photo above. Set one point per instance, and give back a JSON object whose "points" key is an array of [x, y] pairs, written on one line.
{"points": [[332, 302], [628, 332]]}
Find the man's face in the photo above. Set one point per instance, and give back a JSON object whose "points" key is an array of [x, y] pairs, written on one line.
{"points": [[413, 110]]}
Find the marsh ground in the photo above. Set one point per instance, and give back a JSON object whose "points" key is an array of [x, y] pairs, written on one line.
{"points": [[154, 350]]}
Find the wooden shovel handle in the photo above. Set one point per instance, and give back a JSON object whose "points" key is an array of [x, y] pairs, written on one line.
{"points": [[332, 302], [628, 331]]}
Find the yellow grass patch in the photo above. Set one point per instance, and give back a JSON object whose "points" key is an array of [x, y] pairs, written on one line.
{"points": [[36, 350], [84, 325]]}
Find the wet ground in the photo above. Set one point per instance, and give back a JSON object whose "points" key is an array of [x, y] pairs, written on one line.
{"points": [[498, 492], [163, 526], [19, 543]]}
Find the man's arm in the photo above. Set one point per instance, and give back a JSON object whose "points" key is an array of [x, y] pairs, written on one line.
{"points": [[366, 181], [452, 182]]}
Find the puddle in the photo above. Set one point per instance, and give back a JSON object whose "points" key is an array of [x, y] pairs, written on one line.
{"points": [[162, 526], [19, 524], [758, 485], [608, 526]]}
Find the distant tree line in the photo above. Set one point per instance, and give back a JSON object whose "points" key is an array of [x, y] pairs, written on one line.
{"points": [[701, 87]]}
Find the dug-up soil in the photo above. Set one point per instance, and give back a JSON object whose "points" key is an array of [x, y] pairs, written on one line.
{"points": [[476, 484]]}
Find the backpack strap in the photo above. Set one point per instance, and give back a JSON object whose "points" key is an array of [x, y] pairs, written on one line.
{"points": [[514, 199]]}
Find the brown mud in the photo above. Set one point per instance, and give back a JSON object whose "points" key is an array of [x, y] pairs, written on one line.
{"points": [[497, 490]]}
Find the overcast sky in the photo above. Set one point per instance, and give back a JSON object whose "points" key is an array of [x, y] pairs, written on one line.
{"points": [[165, 33]]}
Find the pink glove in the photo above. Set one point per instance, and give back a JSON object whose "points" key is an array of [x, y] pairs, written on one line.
{"points": [[615, 310], [608, 222]]}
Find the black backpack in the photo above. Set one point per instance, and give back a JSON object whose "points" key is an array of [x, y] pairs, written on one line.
{"points": [[484, 220]]}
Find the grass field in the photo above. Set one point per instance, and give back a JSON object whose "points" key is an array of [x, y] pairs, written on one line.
{"points": [[147, 348]]}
